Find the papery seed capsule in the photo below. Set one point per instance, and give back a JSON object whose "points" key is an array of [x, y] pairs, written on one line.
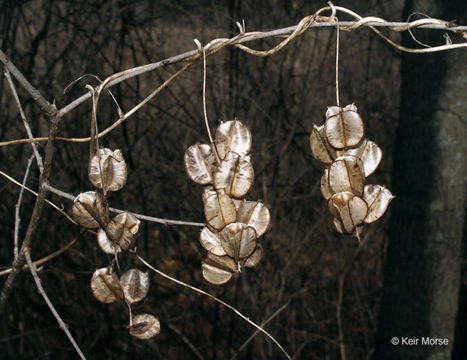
{"points": [[200, 163], [105, 286], [235, 175], [145, 326], [344, 127], [233, 136], [90, 210], [107, 170]]}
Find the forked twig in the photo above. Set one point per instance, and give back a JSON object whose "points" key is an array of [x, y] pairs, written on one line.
{"points": [[230, 307], [41, 290], [17, 209]]}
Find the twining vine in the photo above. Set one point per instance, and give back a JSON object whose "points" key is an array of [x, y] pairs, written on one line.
{"points": [[223, 166]]}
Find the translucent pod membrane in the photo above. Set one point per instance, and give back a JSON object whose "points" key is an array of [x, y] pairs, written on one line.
{"points": [[346, 174], [105, 286], [320, 146], [368, 152], [200, 163], [219, 208], [254, 258], [378, 198], [218, 269], [135, 285], [238, 240], [235, 175], [119, 232], [89, 210], [349, 209], [107, 170], [343, 127], [211, 241], [254, 214], [145, 326], [232, 136]]}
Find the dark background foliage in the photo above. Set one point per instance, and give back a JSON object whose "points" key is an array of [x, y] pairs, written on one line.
{"points": [[307, 265]]}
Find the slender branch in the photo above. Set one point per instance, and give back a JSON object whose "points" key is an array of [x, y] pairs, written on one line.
{"points": [[48, 257], [25, 121], [61, 323], [311, 21], [48, 108], [34, 222], [230, 307], [17, 209], [252, 336], [139, 216]]}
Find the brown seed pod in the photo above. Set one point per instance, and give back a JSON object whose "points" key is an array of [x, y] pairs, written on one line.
{"points": [[107, 170], [105, 286], [135, 285], [351, 210], [254, 214], [122, 228], [200, 163], [108, 246], [211, 241], [234, 174], [218, 269], [255, 257], [368, 152], [145, 326], [238, 240], [219, 208], [233, 136], [325, 188], [344, 127], [90, 210], [320, 146], [378, 198], [346, 174]]}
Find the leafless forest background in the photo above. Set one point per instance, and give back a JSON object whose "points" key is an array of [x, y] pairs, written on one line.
{"points": [[307, 264]]}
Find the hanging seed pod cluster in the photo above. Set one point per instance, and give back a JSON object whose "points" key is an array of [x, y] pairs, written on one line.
{"points": [[233, 223], [340, 143], [107, 172]]}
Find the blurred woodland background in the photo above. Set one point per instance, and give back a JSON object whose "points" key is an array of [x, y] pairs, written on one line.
{"points": [[413, 106]]}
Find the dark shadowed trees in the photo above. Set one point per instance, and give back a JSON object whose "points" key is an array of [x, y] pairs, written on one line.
{"points": [[422, 270]]}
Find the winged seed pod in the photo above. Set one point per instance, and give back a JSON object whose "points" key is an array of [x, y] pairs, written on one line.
{"points": [[107, 170], [219, 208], [346, 174], [378, 198], [105, 286], [234, 174], [238, 240], [90, 209], [351, 210], [340, 143], [211, 241], [344, 127], [233, 223], [218, 269], [200, 163], [254, 258], [135, 285], [122, 228], [145, 326], [320, 146], [254, 214], [368, 152], [233, 136]]}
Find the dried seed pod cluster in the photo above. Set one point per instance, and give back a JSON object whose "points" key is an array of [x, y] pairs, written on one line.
{"points": [[107, 171], [340, 143], [233, 223]]}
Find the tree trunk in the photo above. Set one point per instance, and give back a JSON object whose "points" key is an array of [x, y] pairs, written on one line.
{"points": [[422, 269]]}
